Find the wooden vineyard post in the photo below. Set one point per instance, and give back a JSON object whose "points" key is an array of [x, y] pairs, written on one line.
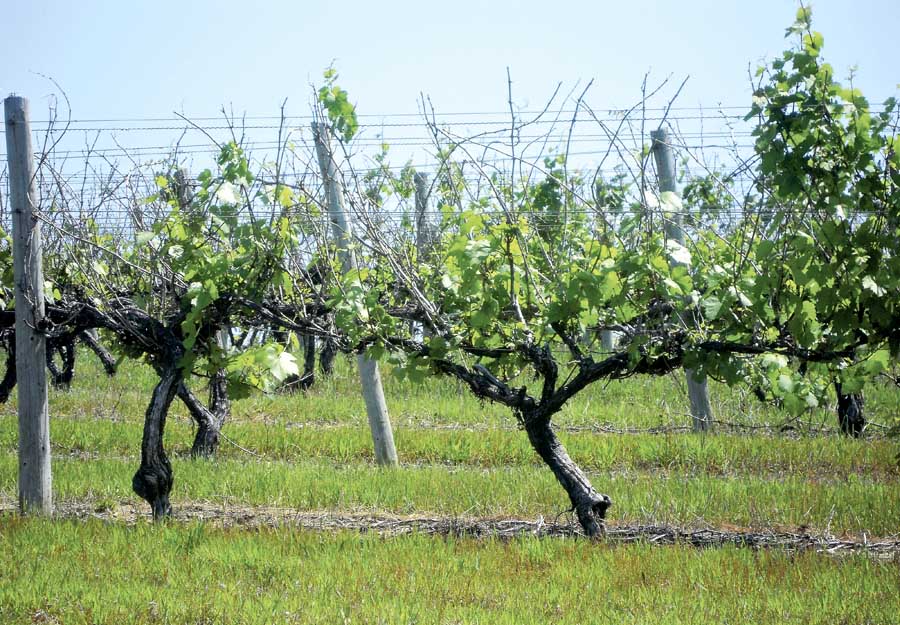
{"points": [[608, 341], [35, 494], [373, 394], [424, 232], [423, 225], [698, 392]]}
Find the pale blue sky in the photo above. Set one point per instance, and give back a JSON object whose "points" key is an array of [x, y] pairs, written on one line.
{"points": [[134, 60], [145, 59]]}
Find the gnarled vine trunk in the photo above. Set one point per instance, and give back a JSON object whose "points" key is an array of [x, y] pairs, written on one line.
{"points": [[326, 357], [209, 420], [61, 378], [851, 417], [8, 383], [309, 359], [306, 379], [90, 338], [589, 505], [153, 479]]}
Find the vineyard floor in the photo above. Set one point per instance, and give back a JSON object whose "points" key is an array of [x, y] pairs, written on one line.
{"points": [[770, 519], [487, 528]]}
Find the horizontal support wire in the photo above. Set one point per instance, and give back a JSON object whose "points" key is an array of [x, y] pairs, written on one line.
{"points": [[108, 183]]}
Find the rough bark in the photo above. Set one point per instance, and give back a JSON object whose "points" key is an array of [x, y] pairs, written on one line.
{"points": [[326, 357], [55, 373], [589, 505], [210, 419], [309, 358], [153, 479], [90, 338], [280, 336], [61, 378], [8, 383], [306, 379], [851, 416]]}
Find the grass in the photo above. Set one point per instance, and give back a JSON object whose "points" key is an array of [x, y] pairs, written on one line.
{"points": [[313, 452], [725, 454], [640, 402], [199, 574], [843, 507]]}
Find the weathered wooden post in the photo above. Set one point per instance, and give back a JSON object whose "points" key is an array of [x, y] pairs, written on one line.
{"points": [[423, 225], [373, 394], [608, 341], [698, 392], [424, 234], [35, 485]]}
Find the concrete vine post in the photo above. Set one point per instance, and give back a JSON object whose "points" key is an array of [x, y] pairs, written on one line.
{"points": [[373, 394], [35, 484], [698, 392]]}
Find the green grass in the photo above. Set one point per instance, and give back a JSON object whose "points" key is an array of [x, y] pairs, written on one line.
{"points": [[848, 506], [639, 402], [306, 457], [70, 572], [312, 451], [723, 454]]}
